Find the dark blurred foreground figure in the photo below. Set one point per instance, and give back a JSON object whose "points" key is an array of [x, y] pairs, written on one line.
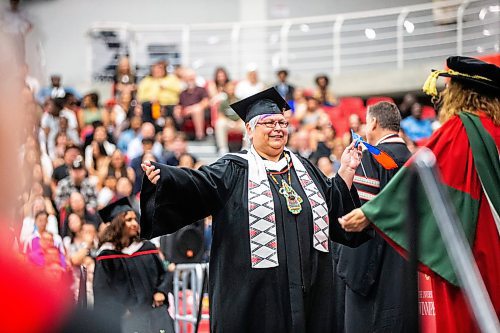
{"points": [[130, 281], [369, 279], [466, 150], [273, 213]]}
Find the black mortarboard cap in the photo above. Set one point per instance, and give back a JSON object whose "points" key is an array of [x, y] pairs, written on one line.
{"points": [[266, 102], [109, 212]]}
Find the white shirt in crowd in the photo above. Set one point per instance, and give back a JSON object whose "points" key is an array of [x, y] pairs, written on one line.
{"points": [[245, 89]]}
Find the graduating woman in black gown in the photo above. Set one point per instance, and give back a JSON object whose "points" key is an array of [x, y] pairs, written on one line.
{"points": [[130, 281], [273, 212]]}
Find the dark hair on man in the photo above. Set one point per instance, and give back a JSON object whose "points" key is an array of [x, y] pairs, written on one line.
{"points": [[114, 233], [387, 115], [59, 103], [282, 71]]}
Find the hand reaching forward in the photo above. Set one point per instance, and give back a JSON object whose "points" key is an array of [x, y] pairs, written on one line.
{"points": [[355, 221], [149, 169]]}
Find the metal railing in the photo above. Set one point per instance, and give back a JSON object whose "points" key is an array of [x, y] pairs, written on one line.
{"points": [[424, 171], [188, 293], [388, 38]]}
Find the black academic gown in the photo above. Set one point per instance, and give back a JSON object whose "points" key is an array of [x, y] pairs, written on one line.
{"points": [[127, 284], [370, 278], [293, 297]]}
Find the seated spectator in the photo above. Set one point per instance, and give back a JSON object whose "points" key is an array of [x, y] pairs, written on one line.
{"points": [[159, 87], [97, 154], [322, 142], [71, 132], [355, 125], [119, 113], [82, 246], [167, 139], [91, 112], [415, 127], [77, 181], [217, 87], [32, 244], [135, 146], [38, 204], [73, 231], [71, 152], [135, 164], [406, 105], [76, 205], [322, 93], [124, 187], [48, 256], [314, 115], [338, 148], [179, 147], [187, 161], [298, 106], [50, 123], [325, 165], [300, 143], [57, 148], [285, 89], [249, 86], [124, 79], [126, 136], [227, 119], [118, 168], [193, 102], [107, 192], [55, 90]]}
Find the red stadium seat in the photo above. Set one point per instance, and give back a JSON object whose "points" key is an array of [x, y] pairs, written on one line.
{"points": [[338, 119], [350, 105], [428, 112]]}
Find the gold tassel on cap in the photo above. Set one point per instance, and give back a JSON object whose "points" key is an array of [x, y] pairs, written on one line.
{"points": [[430, 84]]}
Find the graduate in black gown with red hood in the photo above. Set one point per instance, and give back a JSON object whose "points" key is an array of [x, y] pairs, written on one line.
{"points": [[273, 213], [130, 281]]}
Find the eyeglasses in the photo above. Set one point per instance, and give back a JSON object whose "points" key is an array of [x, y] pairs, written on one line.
{"points": [[272, 124]]}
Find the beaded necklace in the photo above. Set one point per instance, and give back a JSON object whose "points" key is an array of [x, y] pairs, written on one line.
{"points": [[293, 200]]}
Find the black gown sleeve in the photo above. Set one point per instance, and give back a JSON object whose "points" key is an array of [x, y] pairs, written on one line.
{"points": [[342, 201], [183, 196]]}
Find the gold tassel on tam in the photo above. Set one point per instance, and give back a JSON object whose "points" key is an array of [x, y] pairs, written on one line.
{"points": [[430, 84]]}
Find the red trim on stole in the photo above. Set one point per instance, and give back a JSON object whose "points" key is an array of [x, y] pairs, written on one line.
{"points": [[136, 254]]}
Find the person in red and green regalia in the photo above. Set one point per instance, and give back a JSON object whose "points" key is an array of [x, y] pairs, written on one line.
{"points": [[466, 149]]}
